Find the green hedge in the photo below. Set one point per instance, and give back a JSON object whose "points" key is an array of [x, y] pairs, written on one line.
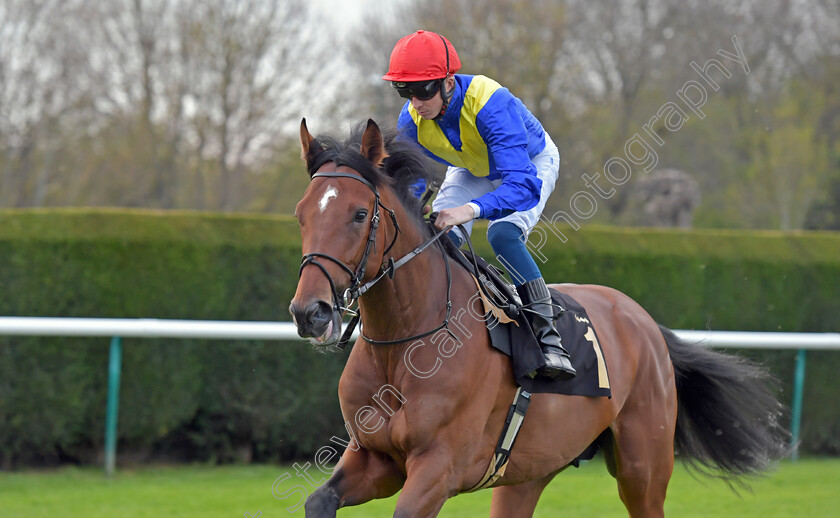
{"points": [[227, 400]]}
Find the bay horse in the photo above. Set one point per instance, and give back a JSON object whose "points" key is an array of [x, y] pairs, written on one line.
{"points": [[424, 396]]}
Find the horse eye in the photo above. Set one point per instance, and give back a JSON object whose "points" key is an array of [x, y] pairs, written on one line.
{"points": [[360, 216]]}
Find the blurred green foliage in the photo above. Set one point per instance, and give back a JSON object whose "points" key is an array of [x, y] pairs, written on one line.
{"points": [[228, 401]]}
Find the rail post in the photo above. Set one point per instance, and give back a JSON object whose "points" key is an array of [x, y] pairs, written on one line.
{"points": [[796, 406], [112, 411]]}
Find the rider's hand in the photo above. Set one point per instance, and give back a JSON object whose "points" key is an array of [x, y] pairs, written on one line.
{"points": [[454, 216]]}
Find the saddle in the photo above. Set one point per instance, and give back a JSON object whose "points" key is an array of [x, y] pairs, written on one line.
{"points": [[490, 281]]}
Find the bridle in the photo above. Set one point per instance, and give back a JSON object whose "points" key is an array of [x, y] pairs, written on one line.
{"points": [[356, 288], [344, 302]]}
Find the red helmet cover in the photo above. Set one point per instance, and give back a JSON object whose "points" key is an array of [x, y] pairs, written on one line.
{"points": [[422, 56]]}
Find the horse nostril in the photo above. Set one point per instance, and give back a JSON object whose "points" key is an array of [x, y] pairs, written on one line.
{"points": [[311, 320], [319, 314]]}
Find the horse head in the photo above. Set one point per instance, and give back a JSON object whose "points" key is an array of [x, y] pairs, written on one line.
{"points": [[346, 226]]}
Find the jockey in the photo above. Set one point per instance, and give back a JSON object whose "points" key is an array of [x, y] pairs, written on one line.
{"points": [[502, 165]]}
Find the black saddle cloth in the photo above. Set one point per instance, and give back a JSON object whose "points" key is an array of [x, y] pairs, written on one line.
{"points": [[519, 342]]}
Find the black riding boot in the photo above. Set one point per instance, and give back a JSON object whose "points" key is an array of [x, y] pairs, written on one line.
{"points": [[535, 297]]}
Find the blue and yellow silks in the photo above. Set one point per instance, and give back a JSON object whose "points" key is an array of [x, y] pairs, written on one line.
{"points": [[489, 132]]}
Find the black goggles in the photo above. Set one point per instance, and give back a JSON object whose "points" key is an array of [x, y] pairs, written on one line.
{"points": [[422, 90]]}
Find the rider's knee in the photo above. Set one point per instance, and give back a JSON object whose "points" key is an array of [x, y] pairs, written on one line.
{"points": [[504, 234]]}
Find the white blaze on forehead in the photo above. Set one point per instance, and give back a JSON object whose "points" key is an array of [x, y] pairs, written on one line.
{"points": [[329, 194]]}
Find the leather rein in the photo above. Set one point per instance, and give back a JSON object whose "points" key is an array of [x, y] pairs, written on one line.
{"points": [[344, 302]]}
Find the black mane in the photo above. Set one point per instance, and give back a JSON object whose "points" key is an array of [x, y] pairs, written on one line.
{"points": [[405, 165]]}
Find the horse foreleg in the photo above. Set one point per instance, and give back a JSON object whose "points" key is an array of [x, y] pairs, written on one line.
{"points": [[361, 476], [428, 484], [518, 501]]}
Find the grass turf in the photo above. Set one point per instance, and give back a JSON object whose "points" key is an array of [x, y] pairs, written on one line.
{"points": [[808, 488]]}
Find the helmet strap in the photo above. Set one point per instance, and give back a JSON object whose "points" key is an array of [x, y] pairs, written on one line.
{"points": [[446, 96], [444, 93]]}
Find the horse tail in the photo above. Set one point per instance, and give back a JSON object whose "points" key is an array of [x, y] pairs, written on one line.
{"points": [[727, 412]]}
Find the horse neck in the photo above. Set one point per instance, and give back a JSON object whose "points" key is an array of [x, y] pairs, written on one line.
{"points": [[414, 301]]}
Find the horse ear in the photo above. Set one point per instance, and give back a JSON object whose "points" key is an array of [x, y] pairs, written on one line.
{"points": [[373, 146], [309, 146]]}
